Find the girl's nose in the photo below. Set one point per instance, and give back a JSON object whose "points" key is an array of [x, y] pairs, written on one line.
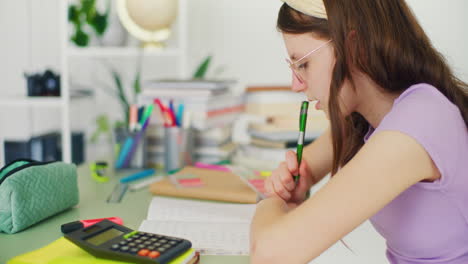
{"points": [[297, 84]]}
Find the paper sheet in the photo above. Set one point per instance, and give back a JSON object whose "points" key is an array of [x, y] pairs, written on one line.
{"points": [[213, 228]]}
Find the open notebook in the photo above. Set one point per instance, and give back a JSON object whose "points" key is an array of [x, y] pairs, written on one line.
{"points": [[213, 228]]}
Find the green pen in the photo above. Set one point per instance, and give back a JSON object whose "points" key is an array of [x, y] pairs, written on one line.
{"points": [[300, 140], [146, 114]]}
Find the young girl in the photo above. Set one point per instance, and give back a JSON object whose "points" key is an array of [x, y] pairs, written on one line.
{"points": [[397, 148]]}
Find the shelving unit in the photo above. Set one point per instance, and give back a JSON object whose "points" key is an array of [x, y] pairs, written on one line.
{"points": [[51, 102], [116, 52], [69, 52]]}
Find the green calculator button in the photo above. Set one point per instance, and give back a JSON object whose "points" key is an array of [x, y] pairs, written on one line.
{"points": [[130, 234]]}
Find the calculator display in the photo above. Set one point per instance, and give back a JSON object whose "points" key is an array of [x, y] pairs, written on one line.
{"points": [[104, 236]]}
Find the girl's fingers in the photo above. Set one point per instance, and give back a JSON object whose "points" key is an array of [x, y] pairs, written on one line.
{"points": [[281, 191], [291, 161], [286, 178]]}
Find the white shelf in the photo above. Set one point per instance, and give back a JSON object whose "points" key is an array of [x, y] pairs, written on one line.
{"points": [[49, 102], [69, 52], [113, 52]]}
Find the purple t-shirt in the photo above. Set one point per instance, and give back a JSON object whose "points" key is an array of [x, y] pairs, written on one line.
{"points": [[428, 222]]}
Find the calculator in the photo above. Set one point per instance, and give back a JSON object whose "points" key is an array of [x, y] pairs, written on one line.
{"points": [[109, 240]]}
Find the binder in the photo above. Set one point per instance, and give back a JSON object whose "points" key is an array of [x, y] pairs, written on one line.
{"points": [[217, 186]]}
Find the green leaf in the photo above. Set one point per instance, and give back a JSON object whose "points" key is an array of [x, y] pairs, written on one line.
{"points": [[99, 24], [202, 68], [88, 7], [80, 38], [137, 80], [102, 127], [137, 84], [121, 95], [73, 15]]}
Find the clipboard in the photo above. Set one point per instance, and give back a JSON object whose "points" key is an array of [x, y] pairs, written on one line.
{"points": [[217, 186]]}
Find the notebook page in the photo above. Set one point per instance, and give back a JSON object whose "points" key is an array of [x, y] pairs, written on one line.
{"points": [[209, 238], [167, 209]]}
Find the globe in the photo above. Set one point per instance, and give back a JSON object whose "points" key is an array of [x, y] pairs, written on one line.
{"points": [[148, 20]]}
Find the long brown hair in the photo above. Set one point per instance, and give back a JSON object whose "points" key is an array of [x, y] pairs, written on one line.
{"points": [[388, 45]]}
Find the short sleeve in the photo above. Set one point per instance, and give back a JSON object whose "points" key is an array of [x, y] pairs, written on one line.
{"points": [[425, 114]]}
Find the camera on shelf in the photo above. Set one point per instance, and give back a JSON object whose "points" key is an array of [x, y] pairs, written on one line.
{"points": [[45, 84]]}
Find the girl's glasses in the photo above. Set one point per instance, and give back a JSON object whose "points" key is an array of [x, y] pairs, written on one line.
{"points": [[298, 68]]}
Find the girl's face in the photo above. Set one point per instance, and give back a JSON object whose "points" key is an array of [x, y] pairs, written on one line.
{"points": [[312, 74]]}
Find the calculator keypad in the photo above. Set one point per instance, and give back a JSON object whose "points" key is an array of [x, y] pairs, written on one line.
{"points": [[146, 245]]}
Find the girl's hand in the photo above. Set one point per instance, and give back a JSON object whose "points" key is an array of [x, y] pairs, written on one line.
{"points": [[281, 182]]}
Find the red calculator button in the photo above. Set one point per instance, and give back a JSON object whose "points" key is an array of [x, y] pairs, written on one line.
{"points": [[154, 254], [143, 252]]}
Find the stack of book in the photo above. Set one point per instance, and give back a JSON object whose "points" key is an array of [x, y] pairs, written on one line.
{"points": [[280, 107], [212, 107]]}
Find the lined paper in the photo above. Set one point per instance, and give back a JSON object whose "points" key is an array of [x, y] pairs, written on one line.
{"points": [[213, 228]]}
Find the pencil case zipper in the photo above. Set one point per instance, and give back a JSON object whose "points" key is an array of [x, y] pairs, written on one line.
{"points": [[31, 163]]}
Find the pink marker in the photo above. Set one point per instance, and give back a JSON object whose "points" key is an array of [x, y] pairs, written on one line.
{"points": [[211, 167], [133, 118]]}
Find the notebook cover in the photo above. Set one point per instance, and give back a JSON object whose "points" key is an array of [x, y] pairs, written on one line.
{"points": [[217, 186]]}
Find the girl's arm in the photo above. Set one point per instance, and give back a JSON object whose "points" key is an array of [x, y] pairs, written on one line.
{"points": [[389, 163], [319, 156]]}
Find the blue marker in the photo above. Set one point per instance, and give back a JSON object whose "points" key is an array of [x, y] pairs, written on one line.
{"points": [[172, 110], [138, 175], [123, 152], [180, 114]]}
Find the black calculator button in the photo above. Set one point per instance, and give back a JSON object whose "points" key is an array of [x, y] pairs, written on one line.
{"points": [[172, 242], [124, 249], [153, 239], [161, 249], [138, 241], [115, 247], [158, 236], [131, 244], [163, 241], [147, 243], [133, 250], [157, 244], [123, 242], [167, 246], [144, 238], [151, 247], [140, 246]]}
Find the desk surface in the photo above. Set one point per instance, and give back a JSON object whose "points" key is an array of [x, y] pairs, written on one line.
{"points": [[93, 195]]}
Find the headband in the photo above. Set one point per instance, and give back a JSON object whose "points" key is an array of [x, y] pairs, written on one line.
{"points": [[314, 8]]}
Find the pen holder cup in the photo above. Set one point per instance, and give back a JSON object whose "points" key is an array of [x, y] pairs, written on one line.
{"points": [[129, 149], [178, 148]]}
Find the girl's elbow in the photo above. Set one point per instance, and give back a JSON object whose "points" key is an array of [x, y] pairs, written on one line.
{"points": [[262, 250]]}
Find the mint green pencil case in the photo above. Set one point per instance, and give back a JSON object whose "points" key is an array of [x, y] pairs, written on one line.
{"points": [[31, 191]]}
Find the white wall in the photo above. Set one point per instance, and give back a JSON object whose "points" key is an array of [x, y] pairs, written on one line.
{"points": [[240, 34], [446, 24]]}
